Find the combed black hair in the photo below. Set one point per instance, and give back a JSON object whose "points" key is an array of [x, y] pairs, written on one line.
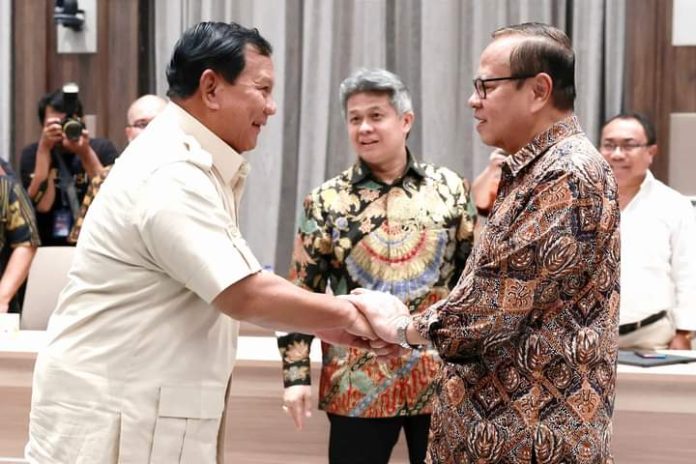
{"points": [[548, 50], [648, 126], [211, 45], [56, 100]]}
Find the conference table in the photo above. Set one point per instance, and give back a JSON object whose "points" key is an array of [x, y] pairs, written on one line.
{"points": [[654, 420]]}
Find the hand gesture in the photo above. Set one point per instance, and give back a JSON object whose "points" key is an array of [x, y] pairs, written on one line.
{"points": [[357, 334], [51, 133], [297, 402], [80, 146], [382, 310]]}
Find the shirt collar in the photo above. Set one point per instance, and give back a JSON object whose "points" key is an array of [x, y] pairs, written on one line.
{"points": [[225, 159], [542, 142], [361, 170], [646, 185]]}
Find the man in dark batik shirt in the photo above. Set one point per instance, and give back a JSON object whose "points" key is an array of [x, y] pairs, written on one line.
{"points": [[19, 238], [388, 223], [529, 336]]}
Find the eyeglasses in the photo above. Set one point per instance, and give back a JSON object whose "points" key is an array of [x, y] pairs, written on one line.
{"points": [[480, 84], [140, 124], [609, 147]]}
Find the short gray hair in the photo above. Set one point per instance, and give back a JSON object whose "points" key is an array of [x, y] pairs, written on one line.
{"points": [[380, 81]]}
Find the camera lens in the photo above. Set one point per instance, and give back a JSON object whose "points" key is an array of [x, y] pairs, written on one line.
{"points": [[72, 129]]}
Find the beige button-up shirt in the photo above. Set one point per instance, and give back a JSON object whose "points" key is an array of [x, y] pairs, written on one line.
{"points": [[139, 360]]}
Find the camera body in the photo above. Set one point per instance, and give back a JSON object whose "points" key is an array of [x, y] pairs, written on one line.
{"points": [[71, 125]]}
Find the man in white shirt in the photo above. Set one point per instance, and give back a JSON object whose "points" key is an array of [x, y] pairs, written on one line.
{"points": [[143, 340], [658, 242]]}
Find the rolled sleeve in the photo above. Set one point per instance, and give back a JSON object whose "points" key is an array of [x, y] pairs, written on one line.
{"points": [[189, 234]]}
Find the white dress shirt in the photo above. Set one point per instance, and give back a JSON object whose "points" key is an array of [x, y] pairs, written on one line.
{"points": [[139, 361], [658, 255]]}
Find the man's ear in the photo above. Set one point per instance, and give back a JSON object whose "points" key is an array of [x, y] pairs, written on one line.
{"points": [[209, 85], [652, 151], [542, 87], [407, 120]]}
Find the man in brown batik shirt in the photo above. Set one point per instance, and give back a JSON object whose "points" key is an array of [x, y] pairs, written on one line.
{"points": [[529, 334]]}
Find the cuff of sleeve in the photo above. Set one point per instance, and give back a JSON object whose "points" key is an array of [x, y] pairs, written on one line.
{"points": [[296, 369], [297, 373], [422, 323]]}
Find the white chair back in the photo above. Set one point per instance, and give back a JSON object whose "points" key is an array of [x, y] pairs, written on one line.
{"points": [[48, 275]]}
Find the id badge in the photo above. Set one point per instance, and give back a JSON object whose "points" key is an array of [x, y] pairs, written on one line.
{"points": [[62, 221]]}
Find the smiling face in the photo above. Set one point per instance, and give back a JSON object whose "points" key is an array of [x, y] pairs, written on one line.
{"points": [[504, 117], [624, 145], [245, 106], [376, 131]]}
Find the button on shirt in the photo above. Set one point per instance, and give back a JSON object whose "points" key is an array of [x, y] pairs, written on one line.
{"points": [[139, 361], [658, 255]]}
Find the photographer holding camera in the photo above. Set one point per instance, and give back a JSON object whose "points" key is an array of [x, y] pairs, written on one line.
{"points": [[56, 170]]}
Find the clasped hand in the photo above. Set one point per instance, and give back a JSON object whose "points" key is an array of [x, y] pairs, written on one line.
{"points": [[374, 325]]}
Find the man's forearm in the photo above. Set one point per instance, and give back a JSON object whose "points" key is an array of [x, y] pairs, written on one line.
{"points": [[16, 272], [91, 163], [268, 300], [41, 171]]}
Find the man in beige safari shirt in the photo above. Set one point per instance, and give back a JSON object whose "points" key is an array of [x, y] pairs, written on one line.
{"points": [[141, 346]]}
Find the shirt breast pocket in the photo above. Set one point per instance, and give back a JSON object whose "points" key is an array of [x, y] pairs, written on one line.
{"points": [[187, 424]]}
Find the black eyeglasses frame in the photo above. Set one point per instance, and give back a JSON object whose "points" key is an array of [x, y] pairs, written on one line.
{"points": [[480, 88]]}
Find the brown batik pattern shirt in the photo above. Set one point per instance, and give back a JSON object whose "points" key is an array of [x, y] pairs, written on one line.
{"points": [[529, 334]]}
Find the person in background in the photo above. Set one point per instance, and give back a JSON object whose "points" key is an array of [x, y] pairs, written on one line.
{"points": [[56, 170], [484, 188], [528, 336], [19, 238], [388, 223], [658, 246], [140, 113]]}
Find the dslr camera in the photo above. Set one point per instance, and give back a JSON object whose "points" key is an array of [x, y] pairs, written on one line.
{"points": [[72, 124]]}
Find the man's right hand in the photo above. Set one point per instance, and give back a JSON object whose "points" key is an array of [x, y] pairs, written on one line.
{"points": [[51, 134], [297, 402], [382, 310]]}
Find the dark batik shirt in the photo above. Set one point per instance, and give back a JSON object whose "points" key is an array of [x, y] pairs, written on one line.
{"points": [[411, 239], [529, 334], [18, 224]]}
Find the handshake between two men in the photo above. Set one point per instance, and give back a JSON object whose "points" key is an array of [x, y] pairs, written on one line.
{"points": [[381, 325]]}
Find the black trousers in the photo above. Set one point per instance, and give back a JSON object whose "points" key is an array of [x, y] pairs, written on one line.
{"points": [[357, 440]]}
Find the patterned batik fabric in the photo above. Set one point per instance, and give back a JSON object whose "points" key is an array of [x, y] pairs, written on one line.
{"points": [[17, 214], [92, 191], [529, 334], [18, 225], [411, 239]]}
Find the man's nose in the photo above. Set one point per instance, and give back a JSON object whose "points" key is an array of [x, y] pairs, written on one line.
{"points": [[271, 106], [365, 126], [618, 153], [474, 100]]}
